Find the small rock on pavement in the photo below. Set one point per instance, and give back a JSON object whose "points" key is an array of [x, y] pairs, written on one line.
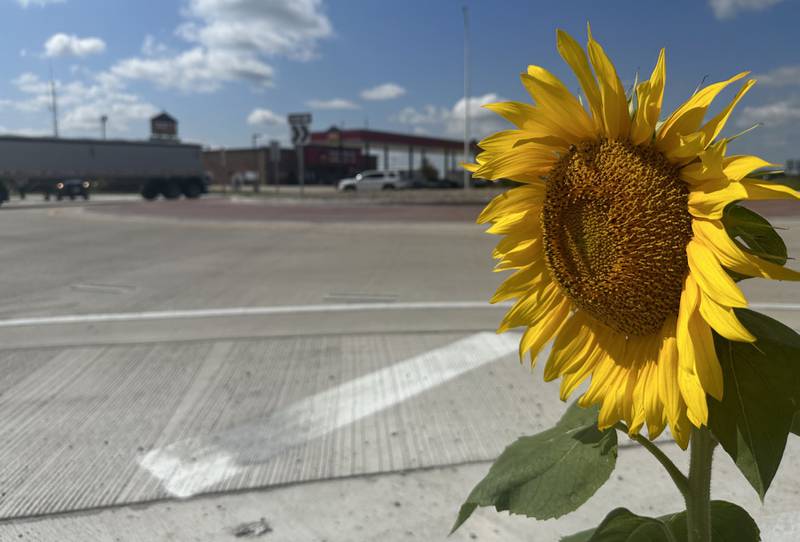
{"points": [[252, 529]]}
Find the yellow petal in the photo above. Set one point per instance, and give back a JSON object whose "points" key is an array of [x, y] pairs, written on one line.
{"points": [[687, 148], [711, 277], [616, 120], [573, 54], [522, 256], [608, 370], [709, 168], [730, 255], [521, 164], [713, 127], [544, 329], [531, 120], [522, 282], [557, 102], [650, 96], [687, 118], [572, 346], [507, 140], [508, 222], [766, 190], [723, 320], [503, 140], [522, 198], [668, 389], [535, 305], [517, 238], [571, 380], [709, 200], [737, 168], [706, 362], [682, 429], [692, 391], [645, 404]]}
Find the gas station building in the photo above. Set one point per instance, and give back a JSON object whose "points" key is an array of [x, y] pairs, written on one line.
{"points": [[336, 154]]}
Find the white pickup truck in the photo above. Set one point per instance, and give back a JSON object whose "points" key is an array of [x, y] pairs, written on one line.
{"points": [[390, 179]]}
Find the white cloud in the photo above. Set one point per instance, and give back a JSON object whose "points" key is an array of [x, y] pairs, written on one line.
{"points": [[228, 41], [260, 116], [81, 103], [428, 114], [277, 27], [386, 91], [772, 114], [781, 77], [450, 121], [196, 70], [71, 45], [40, 3], [151, 46], [725, 9], [335, 103]]}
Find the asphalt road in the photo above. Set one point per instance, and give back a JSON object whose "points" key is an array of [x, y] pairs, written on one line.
{"points": [[287, 371]]}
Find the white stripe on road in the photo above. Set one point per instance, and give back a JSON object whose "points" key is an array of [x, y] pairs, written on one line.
{"points": [[194, 465], [285, 309], [240, 311]]}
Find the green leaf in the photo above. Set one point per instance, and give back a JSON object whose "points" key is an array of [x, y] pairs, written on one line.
{"points": [[761, 397], [796, 424], [755, 233], [549, 474], [622, 525], [729, 523]]}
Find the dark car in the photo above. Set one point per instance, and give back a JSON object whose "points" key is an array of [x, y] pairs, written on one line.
{"points": [[71, 188]]}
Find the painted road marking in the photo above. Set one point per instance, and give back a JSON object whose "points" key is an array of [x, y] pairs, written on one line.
{"points": [[284, 309], [194, 465]]}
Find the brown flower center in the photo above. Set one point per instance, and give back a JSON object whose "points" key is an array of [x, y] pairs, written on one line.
{"points": [[616, 225]]}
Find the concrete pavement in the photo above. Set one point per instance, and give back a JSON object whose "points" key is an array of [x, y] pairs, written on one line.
{"points": [[353, 424]]}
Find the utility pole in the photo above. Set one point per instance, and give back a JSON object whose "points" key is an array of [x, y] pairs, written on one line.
{"points": [[53, 102], [103, 121], [467, 159]]}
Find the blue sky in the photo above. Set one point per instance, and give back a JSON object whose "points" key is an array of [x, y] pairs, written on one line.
{"points": [[230, 68]]}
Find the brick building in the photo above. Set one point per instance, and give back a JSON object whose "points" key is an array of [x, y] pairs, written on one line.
{"points": [[324, 164]]}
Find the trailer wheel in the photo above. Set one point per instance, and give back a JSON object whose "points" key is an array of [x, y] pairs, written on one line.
{"points": [[171, 190], [192, 189], [151, 190]]}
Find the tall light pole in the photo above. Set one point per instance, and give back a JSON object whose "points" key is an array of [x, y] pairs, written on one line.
{"points": [[103, 122], [53, 102], [465, 10]]}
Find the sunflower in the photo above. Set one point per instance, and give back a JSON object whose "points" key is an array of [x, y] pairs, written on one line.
{"points": [[616, 238]]}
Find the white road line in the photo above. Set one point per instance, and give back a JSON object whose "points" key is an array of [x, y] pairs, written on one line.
{"points": [[285, 309], [238, 311], [194, 465]]}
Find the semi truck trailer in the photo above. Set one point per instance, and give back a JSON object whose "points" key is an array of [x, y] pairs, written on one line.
{"points": [[151, 168]]}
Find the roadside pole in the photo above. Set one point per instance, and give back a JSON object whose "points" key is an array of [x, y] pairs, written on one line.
{"points": [[275, 158], [301, 168], [262, 169], [301, 135]]}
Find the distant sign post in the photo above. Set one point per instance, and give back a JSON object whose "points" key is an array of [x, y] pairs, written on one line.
{"points": [[301, 135], [275, 159]]}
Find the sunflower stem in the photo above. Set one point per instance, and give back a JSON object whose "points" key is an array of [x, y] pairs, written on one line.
{"points": [[698, 499], [680, 480]]}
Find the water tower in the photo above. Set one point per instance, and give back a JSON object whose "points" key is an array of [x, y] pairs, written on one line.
{"points": [[163, 127]]}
